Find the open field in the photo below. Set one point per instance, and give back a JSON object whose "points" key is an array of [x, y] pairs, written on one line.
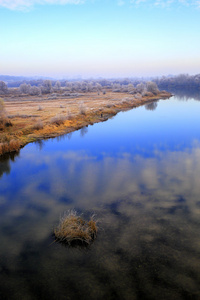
{"points": [[29, 118]]}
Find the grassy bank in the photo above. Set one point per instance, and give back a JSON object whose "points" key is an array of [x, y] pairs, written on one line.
{"points": [[30, 118]]}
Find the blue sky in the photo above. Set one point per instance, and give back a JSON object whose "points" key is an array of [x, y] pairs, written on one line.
{"points": [[110, 38]]}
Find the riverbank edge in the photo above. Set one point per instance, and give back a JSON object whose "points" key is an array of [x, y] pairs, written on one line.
{"points": [[79, 121]]}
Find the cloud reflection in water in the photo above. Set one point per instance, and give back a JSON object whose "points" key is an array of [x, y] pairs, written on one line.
{"points": [[148, 207]]}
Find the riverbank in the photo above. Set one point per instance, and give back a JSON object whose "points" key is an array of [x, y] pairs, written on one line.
{"points": [[31, 118]]}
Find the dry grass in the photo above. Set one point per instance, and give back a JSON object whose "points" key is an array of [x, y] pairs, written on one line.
{"points": [[13, 145], [73, 229]]}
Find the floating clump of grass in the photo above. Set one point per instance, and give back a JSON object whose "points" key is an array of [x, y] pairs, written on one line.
{"points": [[73, 229]]}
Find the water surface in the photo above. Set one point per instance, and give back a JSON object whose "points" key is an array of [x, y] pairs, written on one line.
{"points": [[139, 173]]}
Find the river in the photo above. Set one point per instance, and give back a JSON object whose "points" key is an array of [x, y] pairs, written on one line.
{"points": [[139, 173]]}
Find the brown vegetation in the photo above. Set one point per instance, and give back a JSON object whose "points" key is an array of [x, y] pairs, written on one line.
{"points": [[58, 119], [9, 146], [74, 229], [4, 122], [38, 125]]}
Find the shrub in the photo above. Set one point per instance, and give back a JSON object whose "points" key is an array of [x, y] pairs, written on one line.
{"points": [[147, 94], [109, 105], [40, 108], [58, 119], [38, 125], [69, 115], [52, 97], [82, 108], [66, 94], [126, 99], [74, 229], [138, 96]]}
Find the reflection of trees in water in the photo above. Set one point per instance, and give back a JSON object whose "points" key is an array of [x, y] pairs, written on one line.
{"points": [[39, 144], [151, 106], [4, 167], [185, 94], [69, 135], [83, 131], [5, 162], [61, 137]]}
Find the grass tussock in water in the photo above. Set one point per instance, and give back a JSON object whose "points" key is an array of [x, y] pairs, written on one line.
{"points": [[74, 229]]}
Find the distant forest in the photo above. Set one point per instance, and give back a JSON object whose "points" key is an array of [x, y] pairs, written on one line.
{"points": [[16, 81], [166, 82], [180, 81]]}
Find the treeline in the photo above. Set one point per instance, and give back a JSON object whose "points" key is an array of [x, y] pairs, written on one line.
{"points": [[182, 80], [68, 87], [103, 82], [179, 81]]}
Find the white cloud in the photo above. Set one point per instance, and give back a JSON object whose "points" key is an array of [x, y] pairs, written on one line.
{"points": [[27, 4], [120, 2], [165, 3]]}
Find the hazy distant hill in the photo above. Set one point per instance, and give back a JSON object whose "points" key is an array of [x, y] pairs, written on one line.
{"points": [[15, 81], [9, 78]]}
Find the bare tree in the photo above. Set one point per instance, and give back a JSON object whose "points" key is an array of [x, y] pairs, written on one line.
{"points": [[140, 87], [35, 91], [68, 86], [90, 86], [24, 88], [152, 87], [47, 87], [98, 87], [57, 85], [3, 87], [84, 87]]}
